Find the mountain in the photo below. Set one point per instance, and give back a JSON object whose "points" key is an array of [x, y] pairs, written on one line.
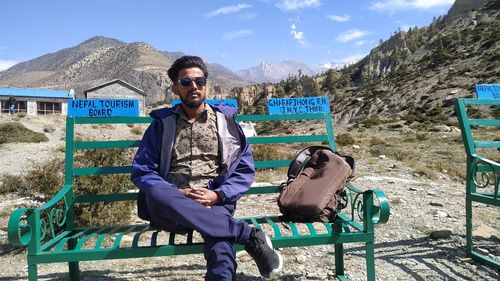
{"points": [[411, 78], [100, 59], [269, 71]]}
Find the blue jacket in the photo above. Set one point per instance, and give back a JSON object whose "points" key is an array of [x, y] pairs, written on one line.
{"points": [[151, 163]]}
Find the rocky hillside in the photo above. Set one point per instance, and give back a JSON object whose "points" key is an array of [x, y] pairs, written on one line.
{"points": [[413, 76], [101, 59]]}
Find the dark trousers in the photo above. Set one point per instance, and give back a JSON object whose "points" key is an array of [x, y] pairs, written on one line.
{"points": [[173, 211]]}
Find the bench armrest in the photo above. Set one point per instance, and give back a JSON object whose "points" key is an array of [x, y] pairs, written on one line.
{"points": [[477, 159], [373, 202], [484, 173], [34, 225]]}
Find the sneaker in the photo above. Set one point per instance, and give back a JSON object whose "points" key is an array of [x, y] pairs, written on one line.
{"points": [[268, 261]]}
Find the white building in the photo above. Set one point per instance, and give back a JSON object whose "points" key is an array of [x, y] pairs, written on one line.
{"points": [[35, 101]]}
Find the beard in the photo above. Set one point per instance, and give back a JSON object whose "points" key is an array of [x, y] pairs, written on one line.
{"points": [[192, 104]]}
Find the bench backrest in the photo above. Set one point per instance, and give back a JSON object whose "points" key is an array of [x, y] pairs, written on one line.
{"points": [[472, 119], [73, 144]]}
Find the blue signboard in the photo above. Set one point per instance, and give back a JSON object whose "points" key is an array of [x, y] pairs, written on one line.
{"points": [[298, 105], [488, 91], [103, 108], [229, 103]]}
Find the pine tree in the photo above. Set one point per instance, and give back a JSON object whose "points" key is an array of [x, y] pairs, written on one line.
{"points": [[328, 83]]}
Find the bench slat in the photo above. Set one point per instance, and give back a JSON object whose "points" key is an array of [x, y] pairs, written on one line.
{"points": [[88, 171], [293, 228], [105, 197], [479, 101], [107, 144], [276, 228], [484, 122], [487, 144], [287, 139], [114, 120], [311, 229], [264, 164], [309, 116]]}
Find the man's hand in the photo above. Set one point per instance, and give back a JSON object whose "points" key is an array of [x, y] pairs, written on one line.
{"points": [[202, 195]]}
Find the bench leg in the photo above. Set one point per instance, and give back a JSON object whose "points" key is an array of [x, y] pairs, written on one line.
{"points": [[468, 221], [339, 252], [74, 271], [339, 259], [32, 272], [74, 267], [370, 261]]}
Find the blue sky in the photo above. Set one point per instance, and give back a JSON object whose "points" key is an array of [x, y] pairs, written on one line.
{"points": [[236, 34]]}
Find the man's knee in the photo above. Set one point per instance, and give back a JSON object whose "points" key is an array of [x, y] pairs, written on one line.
{"points": [[160, 197]]}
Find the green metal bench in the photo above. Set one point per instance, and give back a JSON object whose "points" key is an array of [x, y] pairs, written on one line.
{"points": [[483, 172], [51, 236]]}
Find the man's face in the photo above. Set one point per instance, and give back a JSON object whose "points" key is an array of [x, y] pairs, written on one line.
{"points": [[193, 94]]}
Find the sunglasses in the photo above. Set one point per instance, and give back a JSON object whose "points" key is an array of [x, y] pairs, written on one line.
{"points": [[186, 81]]}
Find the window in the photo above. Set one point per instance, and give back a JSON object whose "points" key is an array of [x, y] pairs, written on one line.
{"points": [[20, 106], [44, 108]]}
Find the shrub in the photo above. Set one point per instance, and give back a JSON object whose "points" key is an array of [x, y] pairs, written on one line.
{"points": [[379, 149], [265, 152], [17, 132], [12, 184], [372, 121], [421, 137], [376, 141], [345, 139]]}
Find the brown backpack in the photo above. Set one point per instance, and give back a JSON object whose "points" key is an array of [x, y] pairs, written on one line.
{"points": [[315, 184]]}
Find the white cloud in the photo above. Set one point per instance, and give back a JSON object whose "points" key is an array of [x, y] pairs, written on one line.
{"points": [[392, 5], [290, 5], [227, 10], [5, 64], [338, 18], [236, 34], [297, 35], [351, 34]]}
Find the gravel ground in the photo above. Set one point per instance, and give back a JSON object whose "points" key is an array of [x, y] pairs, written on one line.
{"points": [[404, 248]]}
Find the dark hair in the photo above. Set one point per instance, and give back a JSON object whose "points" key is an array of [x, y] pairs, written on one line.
{"points": [[186, 62]]}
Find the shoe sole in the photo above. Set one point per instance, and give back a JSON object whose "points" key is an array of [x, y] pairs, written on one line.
{"points": [[275, 272]]}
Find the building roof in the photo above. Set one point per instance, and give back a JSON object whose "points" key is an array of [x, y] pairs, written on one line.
{"points": [[121, 82], [34, 93]]}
